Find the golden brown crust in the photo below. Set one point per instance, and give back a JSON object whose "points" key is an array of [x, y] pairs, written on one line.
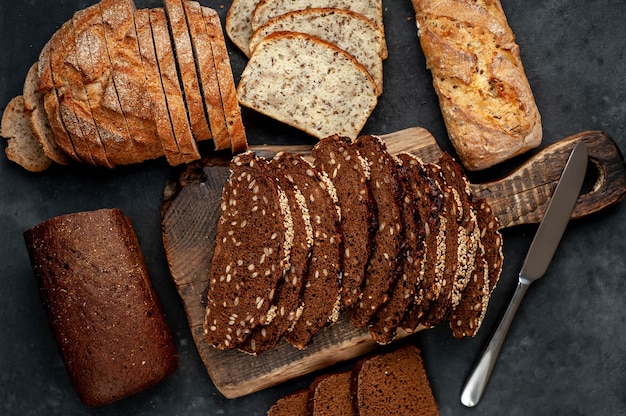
{"points": [[486, 100]]}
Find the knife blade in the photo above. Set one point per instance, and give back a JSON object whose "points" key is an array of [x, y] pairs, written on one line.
{"points": [[538, 258]]}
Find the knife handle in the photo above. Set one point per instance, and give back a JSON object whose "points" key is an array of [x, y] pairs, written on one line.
{"points": [[479, 376], [522, 197]]}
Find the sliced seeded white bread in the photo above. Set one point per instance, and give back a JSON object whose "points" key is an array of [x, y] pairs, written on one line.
{"points": [[40, 126], [226, 81], [238, 27], [23, 147], [268, 9], [252, 253], [346, 29], [309, 84], [207, 74]]}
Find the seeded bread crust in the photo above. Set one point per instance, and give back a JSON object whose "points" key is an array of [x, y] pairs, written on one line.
{"points": [[96, 290], [288, 300], [350, 31], [393, 383], [293, 404], [331, 395], [321, 295], [486, 100], [307, 101], [254, 237], [268, 9], [387, 318], [349, 172]]}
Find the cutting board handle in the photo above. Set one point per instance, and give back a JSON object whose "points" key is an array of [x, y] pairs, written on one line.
{"points": [[523, 196]]}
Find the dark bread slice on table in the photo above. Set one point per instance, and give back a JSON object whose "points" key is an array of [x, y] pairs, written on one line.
{"points": [[387, 318], [183, 50], [207, 74], [128, 77], [40, 126], [293, 404], [23, 147], [161, 114], [321, 294], [103, 310], [171, 86], [393, 383], [252, 252], [331, 395], [430, 204], [226, 82], [349, 172], [381, 269], [288, 303]]}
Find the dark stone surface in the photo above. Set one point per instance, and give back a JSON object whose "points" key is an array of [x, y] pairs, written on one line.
{"points": [[566, 352]]}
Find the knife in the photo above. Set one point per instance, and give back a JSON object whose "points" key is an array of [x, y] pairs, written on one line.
{"points": [[539, 255]]}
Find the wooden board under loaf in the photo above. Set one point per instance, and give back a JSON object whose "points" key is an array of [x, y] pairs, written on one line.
{"points": [[191, 211]]}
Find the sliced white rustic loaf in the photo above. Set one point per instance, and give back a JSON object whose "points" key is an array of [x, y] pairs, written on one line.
{"points": [[309, 84], [347, 30], [238, 27]]}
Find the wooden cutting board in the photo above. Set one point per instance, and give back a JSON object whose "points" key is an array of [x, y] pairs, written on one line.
{"points": [[191, 208]]}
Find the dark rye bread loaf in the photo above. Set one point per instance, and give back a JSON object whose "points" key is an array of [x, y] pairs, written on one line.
{"points": [[288, 303], [393, 383], [385, 321], [253, 243], [102, 307], [387, 244], [331, 395], [320, 296], [429, 199], [349, 172], [294, 404]]}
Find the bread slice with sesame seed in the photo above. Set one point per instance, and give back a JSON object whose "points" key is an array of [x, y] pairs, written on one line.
{"points": [[381, 269], [349, 172], [252, 251], [321, 295]]}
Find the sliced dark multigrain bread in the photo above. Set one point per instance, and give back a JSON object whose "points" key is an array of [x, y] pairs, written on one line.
{"points": [[288, 302], [293, 404], [251, 257], [388, 239], [320, 296], [385, 321], [331, 395], [467, 317], [393, 383], [429, 200], [349, 172]]}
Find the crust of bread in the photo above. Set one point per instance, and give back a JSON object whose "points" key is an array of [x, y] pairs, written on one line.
{"points": [[485, 98], [226, 82], [207, 74]]}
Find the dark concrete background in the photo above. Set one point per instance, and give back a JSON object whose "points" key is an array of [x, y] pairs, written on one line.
{"points": [[566, 352]]}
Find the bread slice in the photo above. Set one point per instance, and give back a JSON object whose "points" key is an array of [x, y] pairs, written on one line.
{"points": [[226, 82], [331, 395], [268, 9], [238, 27], [40, 126], [322, 89], [293, 404], [288, 300], [252, 253], [128, 77], [207, 74], [350, 174], [171, 86], [393, 383], [187, 69], [155, 88], [347, 30], [321, 296], [22, 146], [381, 269]]}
